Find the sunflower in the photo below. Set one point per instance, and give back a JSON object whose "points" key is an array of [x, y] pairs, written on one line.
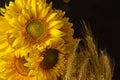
{"points": [[34, 22], [12, 68], [51, 62]]}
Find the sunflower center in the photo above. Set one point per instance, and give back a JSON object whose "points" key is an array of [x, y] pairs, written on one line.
{"points": [[35, 29], [21, 69], [50, 58]]}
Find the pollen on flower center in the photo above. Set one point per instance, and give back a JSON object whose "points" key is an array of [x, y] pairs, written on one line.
{"points": [[35, 29], [21, 69], [50, 59]]}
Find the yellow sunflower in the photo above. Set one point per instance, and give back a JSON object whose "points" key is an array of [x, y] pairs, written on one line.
{"points": [[50, 64], [12, 68], [33, 22]]}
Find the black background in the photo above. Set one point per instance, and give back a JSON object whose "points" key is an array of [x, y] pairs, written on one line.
{"points": [[104, 19]]}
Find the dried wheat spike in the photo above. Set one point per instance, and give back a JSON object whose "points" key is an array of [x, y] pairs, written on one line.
{"points": [[88, 63]]}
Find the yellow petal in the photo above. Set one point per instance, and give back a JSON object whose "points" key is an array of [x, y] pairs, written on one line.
{"points": [[26, 13], [20, 3], [5, 50], [12, 8], [51, 16], [48, 9], [2, 11], [14, 23], [33, 8], [22, 19], [32, 73], [3, 45], [56, 24], [56, 33], [2, 66], [3, 39], [17, 42], [39, 8], [23, 52], [4, 26], [17, 54]]}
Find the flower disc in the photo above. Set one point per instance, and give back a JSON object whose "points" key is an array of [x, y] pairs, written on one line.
{"points": [[50, 58], [35, 29]]}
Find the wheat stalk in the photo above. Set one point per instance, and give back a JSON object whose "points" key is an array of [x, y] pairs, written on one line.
{"points": [[86, 64]]}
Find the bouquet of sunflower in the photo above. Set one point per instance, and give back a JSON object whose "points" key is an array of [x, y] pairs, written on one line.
{"points": [[36, 43]]}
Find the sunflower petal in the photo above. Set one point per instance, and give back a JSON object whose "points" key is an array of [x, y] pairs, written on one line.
{"points": [[26, 13], [2, 66], [51, 16], [33, 8], [3, 45], [56, 33], [17, 42], [56, 24], [20, 3]]}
